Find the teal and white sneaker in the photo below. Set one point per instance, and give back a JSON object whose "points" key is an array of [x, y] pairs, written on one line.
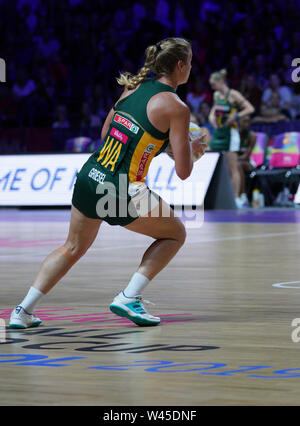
{"points": [[133, 309], [21, 319]]}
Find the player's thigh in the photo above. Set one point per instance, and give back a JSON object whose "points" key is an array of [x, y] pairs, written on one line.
{"points": [[161, 222], [232, 159], [82, 231]]}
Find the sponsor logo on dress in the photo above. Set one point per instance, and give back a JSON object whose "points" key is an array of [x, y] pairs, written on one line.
{"points": [[143, 160], [119, 135], [126, 123], [220, 109]]}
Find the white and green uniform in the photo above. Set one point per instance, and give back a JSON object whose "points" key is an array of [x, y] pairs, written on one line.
{"points": [[225, 138]]}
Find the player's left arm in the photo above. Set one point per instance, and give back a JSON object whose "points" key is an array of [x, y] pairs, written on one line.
{"points": [[243, 105]]}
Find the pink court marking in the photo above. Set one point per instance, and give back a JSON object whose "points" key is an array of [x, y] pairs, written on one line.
{"points": [[10, 242], [49, 314]]}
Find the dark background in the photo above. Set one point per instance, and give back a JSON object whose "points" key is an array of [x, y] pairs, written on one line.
{"points": [[63, 58]]}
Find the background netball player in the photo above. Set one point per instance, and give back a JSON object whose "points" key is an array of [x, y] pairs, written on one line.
{"points": [[245, 164], [229, 106], [147, 116]]}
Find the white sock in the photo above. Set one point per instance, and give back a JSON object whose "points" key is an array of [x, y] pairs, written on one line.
{"points": [[31, 299], [137, 283], [244, 197]]}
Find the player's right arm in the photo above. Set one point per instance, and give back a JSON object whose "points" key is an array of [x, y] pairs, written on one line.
{"points": [[179, 139]]}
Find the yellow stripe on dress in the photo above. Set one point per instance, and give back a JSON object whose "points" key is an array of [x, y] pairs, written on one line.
{"points": [[146, 149]]}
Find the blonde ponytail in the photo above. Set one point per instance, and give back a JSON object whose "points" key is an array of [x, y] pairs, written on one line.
{"points": [[161, 59], [132, 81]]}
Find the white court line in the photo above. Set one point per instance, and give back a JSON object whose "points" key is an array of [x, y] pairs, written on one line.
{"points": [[245, 237], [283, 285], [207, 240]]}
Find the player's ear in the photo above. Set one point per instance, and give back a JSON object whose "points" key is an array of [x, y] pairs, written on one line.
{"points": [[180, 65]]}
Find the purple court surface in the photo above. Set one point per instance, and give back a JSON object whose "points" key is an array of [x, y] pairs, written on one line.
{"points": [[266, 215]]}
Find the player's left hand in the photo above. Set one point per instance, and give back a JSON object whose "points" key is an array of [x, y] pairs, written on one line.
{"points": [[199, 145], [230, 120]]}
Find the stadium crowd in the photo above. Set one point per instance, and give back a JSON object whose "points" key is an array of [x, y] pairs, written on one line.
{"points": [[63, 57]]}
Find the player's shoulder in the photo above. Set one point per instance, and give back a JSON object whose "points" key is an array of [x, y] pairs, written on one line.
{"points": [[235, 94], [126, 92], [236, 97], [180, 107], [172, 102]]}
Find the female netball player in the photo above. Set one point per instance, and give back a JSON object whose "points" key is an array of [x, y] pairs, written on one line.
{"points": [[147, 117], [245, 164], [229, 106]]}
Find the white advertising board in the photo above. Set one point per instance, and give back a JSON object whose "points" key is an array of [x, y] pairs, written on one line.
{"points": [[48, 180]]}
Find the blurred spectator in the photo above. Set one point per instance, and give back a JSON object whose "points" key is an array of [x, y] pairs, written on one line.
{"points": [[67, 46], [162, 14], [23, 90], [62, 121], [24, 86], [235, 73], [272, 51], [198, 94], [44, 81], [295, 41], [47, 43], [252, 91], [33, 3], [43, 99], [58, 72], [286, 69], [295, 104], [180, 23], [29, 16], [208, 9], [284, 92], [100, 101], [203, 118], [139, 13], [261, 70], [87, 119], [8, 107], [271, 111]]}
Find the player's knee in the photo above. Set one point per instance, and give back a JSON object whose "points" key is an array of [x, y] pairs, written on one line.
{"points": [[180, 233], [74, 250]]}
